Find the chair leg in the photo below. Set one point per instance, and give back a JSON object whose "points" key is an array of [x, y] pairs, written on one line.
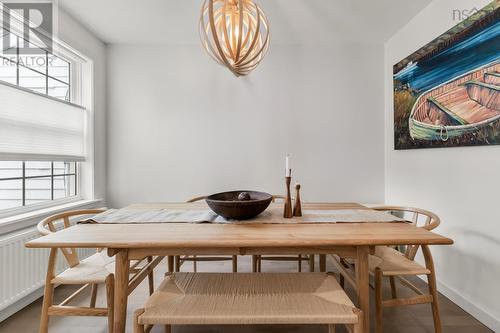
{"points": [[393, 287], [93, 295], [254, 263], [151, 278], [311, 263], [300, 263], [331, 328], [435, 303], [344, 264], [170, 264], [48, 299], [235, 264], [322, 263], [48, 295], [110, 298], [195, 264], [431, 279], [354, 328], [259, 264], [177, 263], [358, 328], [378, 300], [138, 328]]}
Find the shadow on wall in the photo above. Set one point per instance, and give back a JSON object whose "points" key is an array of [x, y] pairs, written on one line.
{"points": [[479, 265]]}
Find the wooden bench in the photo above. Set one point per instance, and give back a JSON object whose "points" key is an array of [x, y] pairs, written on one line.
{"points": [[248, 299]]}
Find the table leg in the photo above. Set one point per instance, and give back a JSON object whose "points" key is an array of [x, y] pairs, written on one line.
{"points": [[122, 267], [363, 284], [322, 262]]}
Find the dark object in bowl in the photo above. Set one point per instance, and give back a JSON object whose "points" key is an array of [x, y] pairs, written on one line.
{"points": [[231, 205], [244, 196]]}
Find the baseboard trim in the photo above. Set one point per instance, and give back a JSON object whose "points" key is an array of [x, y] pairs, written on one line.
{"points": [[475, 311], [480, 314], [21, 303]]}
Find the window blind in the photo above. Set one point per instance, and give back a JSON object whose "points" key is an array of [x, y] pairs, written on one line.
{"points": [[34, 127]]}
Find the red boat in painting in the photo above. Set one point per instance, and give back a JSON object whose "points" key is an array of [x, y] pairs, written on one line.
{"points": [[460, 106]]}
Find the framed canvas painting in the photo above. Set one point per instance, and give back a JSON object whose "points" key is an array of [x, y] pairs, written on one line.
{"points": [[447, 94]]}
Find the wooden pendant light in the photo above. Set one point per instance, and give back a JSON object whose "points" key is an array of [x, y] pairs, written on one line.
{"points": [[235, 33]]}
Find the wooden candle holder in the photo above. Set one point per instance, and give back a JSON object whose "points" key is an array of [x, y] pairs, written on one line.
{"points": [[287, 212], [297, 209]]}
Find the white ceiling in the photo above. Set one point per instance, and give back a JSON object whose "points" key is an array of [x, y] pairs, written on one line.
{"points": [[291, 21]]}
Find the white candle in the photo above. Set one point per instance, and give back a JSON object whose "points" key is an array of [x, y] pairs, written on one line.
{"points": [[287, 166]]}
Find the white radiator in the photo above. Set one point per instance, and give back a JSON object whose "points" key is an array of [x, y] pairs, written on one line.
{"points": [[23, 270]]}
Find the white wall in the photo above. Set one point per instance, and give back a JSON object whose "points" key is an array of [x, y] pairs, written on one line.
{"points": [[74, 34], [180, 125], [460, 184]]}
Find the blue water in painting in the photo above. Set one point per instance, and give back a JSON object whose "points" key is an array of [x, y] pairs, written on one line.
{"points": [[478, 50]]}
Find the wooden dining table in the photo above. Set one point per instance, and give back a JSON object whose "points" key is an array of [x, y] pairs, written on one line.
{"points": [[136, 241]]}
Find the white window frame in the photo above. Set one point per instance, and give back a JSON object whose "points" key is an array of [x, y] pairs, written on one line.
{"points": [[82, 95], [46, 204]]}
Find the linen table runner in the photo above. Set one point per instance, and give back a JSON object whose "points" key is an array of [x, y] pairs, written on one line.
{"points": [[270, 216]]}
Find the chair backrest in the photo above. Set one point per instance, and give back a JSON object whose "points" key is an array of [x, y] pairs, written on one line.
{"points": [[48, 226], [195, 199], [419, 217]]}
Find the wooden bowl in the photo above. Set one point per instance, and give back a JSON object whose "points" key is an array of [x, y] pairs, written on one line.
{"points": [[228, 205]]}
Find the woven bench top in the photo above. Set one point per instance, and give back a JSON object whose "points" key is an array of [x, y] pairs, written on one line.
{"points": [[248, 298]]}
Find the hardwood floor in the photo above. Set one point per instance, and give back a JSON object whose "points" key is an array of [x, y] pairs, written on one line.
{"points": [[411, 319]]}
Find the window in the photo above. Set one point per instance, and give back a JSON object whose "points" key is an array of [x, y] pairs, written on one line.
{"points": [[35, 182], [38, 71], [46, 119]]}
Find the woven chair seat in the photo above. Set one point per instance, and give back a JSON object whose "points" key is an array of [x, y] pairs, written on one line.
{"points": [[393, 262], [94, 269], [245, 298]]}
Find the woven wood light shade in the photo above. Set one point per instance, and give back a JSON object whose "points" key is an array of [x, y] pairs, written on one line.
{"points": [[235, 33]]}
